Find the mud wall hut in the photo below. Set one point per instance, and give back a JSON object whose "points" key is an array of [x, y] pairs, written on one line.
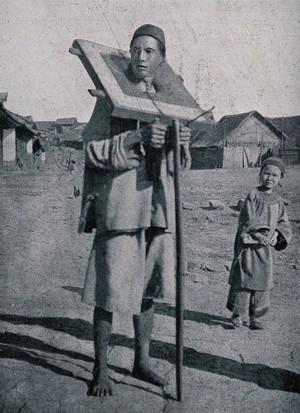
{"points": [[73, 138], [62, 125], [237, 141], [18, 140]]}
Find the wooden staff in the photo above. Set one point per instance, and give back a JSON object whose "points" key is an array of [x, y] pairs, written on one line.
{"points": [[179, 261]]}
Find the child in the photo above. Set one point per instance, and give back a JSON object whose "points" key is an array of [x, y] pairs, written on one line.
{"points": [[263, 224]]}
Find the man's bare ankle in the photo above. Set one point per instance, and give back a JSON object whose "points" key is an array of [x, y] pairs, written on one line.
{"points": [[145, 373]]}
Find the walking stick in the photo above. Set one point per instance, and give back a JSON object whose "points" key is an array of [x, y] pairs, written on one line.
{"points": [[179, 261]]}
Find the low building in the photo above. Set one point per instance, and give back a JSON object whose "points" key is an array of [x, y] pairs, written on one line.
{"points": [[18, 139], [46, 127], [64, 124], [290, 126], [73, 139], [237, 141]]}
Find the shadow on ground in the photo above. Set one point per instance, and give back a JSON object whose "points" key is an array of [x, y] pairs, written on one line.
{"points": [[20, 347], [76, 290], [25, 348], [204, 318]]}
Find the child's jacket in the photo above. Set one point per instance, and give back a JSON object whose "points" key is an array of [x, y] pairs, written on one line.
{"points": [[252, 265]]}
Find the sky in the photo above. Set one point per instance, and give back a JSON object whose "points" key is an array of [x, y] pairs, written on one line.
{"points": [[238, 55]]}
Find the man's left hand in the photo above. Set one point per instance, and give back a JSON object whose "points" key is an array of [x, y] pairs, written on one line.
{"points": [[184, 134], [185, 138]]}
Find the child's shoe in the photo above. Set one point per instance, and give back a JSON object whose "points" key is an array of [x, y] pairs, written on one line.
{"points": [[255, 324], [237, 321]]}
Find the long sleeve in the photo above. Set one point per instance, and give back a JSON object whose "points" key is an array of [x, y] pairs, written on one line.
{"points": [[110, 154], [283, 228], [104, 149]]}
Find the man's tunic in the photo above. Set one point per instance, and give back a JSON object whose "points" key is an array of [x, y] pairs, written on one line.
{"points": [[133, 213]]}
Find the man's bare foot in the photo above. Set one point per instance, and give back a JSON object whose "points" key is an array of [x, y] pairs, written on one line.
{"points": [[100, 386], [146, 374]]}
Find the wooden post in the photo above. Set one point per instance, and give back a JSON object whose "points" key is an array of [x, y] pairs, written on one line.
{"points": [[179, 261], [1, 147]]}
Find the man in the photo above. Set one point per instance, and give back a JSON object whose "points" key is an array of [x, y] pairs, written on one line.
{"points": [[128, 173]]}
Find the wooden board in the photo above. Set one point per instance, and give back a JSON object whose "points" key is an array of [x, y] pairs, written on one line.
{"points": [[108, 68]]}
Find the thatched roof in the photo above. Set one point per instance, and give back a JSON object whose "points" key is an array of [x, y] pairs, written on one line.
{"points": [[228, 125], [73, 135], [290, 125], [45, 125], [9, 118]]}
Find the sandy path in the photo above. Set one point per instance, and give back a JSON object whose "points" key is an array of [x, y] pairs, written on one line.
{"points": [[46, 332]]}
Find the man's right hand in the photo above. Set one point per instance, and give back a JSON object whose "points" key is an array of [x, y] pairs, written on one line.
{"points": [[154, 134]]}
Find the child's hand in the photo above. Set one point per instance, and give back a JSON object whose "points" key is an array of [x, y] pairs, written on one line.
{"points": [[261, 238], [273, 239]]}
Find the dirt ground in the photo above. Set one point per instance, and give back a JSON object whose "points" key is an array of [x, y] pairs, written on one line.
{"points": [[46, 350]]}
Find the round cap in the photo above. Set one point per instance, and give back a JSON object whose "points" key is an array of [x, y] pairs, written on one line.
{"points": [[150, 30], [272, 160]]}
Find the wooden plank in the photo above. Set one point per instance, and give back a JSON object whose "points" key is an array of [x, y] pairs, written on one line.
{"points": [[75, 51], [108, 68], [97, 93], [122, 103]]}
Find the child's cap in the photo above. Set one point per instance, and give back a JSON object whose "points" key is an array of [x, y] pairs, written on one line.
{"points": [[272, 160]]}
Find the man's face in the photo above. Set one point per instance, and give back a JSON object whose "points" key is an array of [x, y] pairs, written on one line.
{"points": [[145, 56]]}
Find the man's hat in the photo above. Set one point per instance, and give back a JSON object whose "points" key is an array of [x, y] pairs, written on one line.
{"points": [[153, 31], [272, 160]]}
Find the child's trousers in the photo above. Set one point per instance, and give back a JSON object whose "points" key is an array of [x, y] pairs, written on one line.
{"points": [[240, 299]]}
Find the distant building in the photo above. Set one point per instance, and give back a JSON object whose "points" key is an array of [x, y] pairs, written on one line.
{"points": [[45, 126], [237, 141], [290, 126], [73, 138], [64, 124], [18, 139]]}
